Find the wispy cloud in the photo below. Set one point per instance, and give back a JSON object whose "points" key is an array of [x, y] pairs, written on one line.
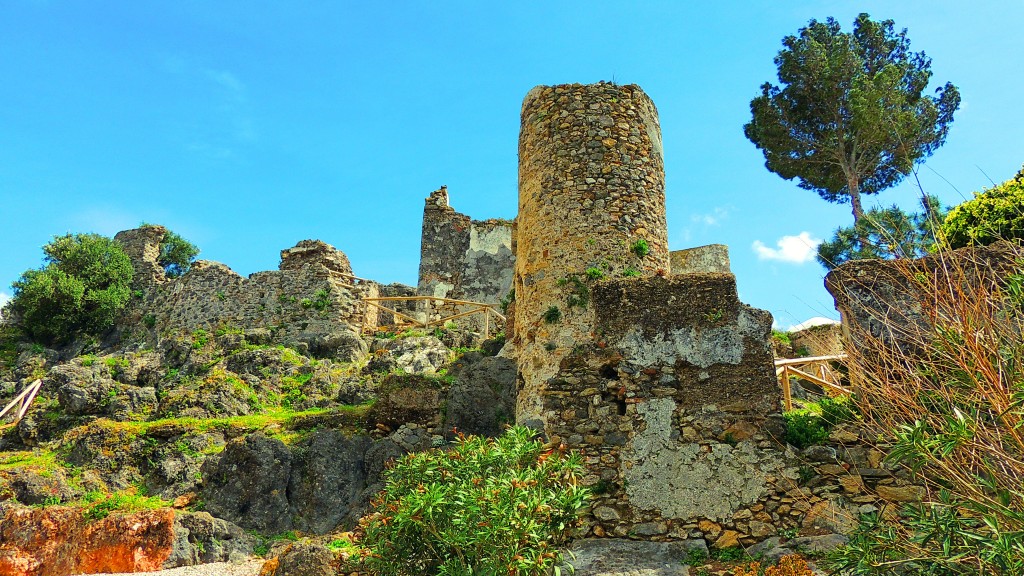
{"points": [[714, 218], [223, 123], [798, 249], [4, 299]]}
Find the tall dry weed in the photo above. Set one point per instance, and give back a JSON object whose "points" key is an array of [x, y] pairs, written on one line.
{"points": [[938, 365]]}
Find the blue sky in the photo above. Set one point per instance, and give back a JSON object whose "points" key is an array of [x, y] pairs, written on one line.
{"points": [[248, 126]]}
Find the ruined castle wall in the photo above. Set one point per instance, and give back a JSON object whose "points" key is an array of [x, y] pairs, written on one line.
{"points": [[463, 259], [710, 258], [310, 303], [591, 188], [676, 408]]}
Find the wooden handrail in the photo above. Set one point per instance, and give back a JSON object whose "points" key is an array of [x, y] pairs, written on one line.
{"points": [[479, 308], [25, 398], [787, 368], [789, 361]]}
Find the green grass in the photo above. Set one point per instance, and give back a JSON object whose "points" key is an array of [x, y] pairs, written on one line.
{"points": [[98, 505]]}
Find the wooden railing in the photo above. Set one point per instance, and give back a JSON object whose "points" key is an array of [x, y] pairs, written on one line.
{"points": [[815, 369], [23, 401], [477, 308]]}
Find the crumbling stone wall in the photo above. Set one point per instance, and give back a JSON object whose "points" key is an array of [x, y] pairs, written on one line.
{"points": [[461, 258], [312, 302], [884, 303], [591, 196], [710, 258], [675, 406]]}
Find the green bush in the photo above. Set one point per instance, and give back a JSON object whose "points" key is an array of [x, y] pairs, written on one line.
{"points": [[812, 424], [993, 214], [83, 286], [804, 429], [486, 506], [176, 254]]}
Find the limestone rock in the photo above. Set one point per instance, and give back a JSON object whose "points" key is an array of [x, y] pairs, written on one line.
{"points": [[327, 477], [248, 484], [199, 538], [407, 398], [302, 559], [614, 557], [901, 493], [728, 539], [482, 399]]}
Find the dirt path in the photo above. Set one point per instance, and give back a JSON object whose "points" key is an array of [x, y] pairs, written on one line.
{"points": [[248, 568]]}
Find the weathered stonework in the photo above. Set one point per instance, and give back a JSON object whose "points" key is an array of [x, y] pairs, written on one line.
{"points": [[312, 302], [710, 258], [461, 258], [591, 196], [884, 303], [657, 373]]}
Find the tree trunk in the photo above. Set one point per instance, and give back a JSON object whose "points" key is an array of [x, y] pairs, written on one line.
{"points": [[858, 210]]}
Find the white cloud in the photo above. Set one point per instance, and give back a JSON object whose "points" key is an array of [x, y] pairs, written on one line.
{"points": [[815, 321], [4, 299], [798, 249]]}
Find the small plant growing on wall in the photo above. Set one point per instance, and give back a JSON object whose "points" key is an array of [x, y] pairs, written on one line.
{"points": [[640, 248], [552, 315]]}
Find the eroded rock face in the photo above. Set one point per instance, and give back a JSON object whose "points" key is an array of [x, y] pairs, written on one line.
{"points": [[483, 398], [58, 541], [302, 560], [408, 398], [612, 557], [411, 355], [320, 483], [248, 484], [328, 477]]}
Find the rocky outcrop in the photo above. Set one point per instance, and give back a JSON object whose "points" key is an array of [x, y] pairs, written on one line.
{"points": [[613, 557], [885, 303], [57, 541], [411, 355], [482, 400], [317, 485]]}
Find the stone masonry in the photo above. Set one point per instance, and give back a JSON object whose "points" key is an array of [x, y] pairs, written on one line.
{"points": [[591, 197], [311, 302], [664, 381], [463, 259]]}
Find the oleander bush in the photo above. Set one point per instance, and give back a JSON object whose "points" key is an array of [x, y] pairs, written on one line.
{"points": [[485, 506]]}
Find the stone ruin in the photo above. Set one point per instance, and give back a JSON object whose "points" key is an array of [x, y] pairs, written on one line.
{"points": [[645, 360], [663, 379], [311, 303]]}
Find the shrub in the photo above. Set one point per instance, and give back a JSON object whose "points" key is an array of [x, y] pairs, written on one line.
{"points": [[792, 565], [176, 254], [812, 424], [804, 429], [487, 506], [993, 214], [83, 286], [947, 404]]}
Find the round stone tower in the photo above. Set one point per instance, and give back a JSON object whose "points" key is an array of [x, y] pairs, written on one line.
{"points": [[591, 206]]}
